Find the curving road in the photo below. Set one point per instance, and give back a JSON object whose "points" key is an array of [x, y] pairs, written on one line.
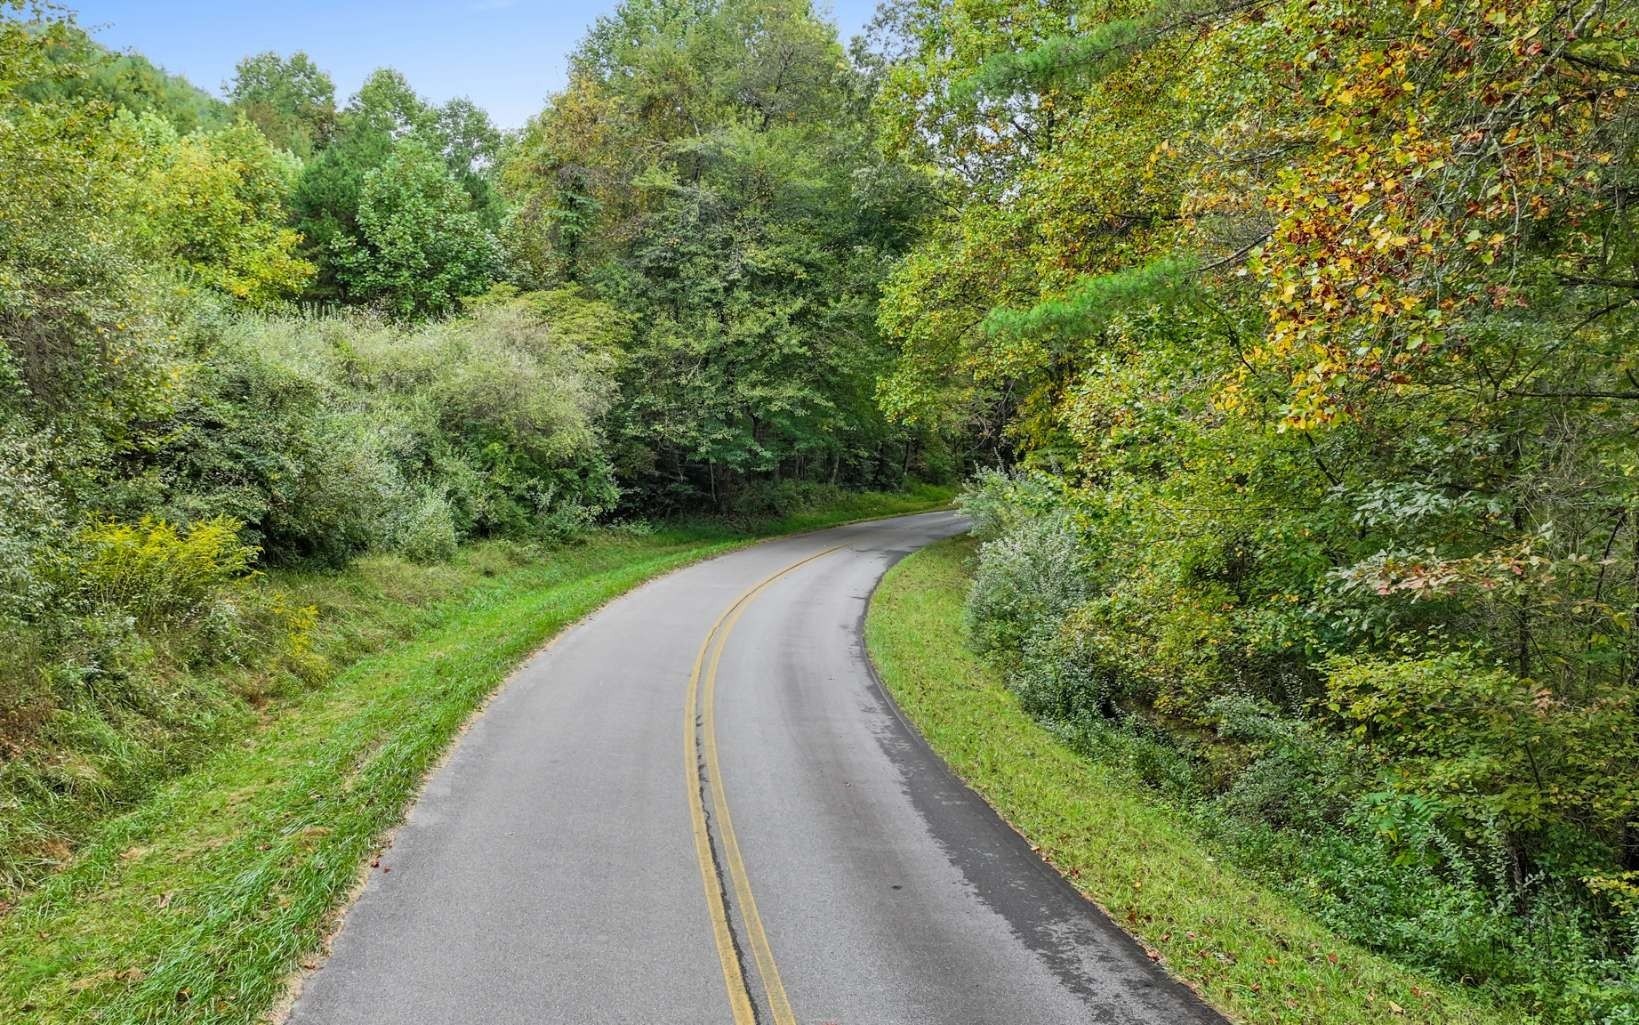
{"points": [[697, 806]]}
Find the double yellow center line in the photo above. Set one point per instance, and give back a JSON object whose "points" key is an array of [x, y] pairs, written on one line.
{"points": [[703, 774]]}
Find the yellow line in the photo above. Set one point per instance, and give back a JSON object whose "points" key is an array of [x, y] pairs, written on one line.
{"points": [[777, 1001], [733, 978], [739, 998]]}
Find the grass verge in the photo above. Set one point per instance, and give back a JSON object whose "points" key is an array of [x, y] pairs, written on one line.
{"points": [[1246, 950], [197, 903]]}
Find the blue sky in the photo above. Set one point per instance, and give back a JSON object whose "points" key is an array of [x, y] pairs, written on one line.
{"points": [[507, 55]]}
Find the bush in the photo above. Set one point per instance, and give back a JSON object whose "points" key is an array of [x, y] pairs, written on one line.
{"points": [[133, 627], [1425, 801], [1069, 674], [428, 534], [997, 502], [160, 575], [1291, 773], [1026, 580], [325, 435], [32, 526], [1560, 778], [761, 499]]}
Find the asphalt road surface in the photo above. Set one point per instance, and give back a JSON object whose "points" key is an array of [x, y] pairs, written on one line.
{"points": [[698, 806]]}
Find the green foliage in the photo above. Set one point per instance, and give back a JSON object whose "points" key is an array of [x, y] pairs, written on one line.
{"points": [[155, 572], [1300, 334], [213, 205], [1094, 304], [1165, 866], [1057, 60], [170, 428], [1325, 396], [421, 246], [398, 208], [471, 146], [428, 532], [33, 524], [1397, 810], [86, 72], [329, 436], [290, 100], [240, 861], [704, 172], [1494, 752], [1028, 578], [209, 498], [73, 293]]}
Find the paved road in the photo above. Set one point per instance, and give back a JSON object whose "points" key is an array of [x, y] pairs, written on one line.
{"points": [[649, 829]]}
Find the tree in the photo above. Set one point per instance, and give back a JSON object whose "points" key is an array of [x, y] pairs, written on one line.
{"points": [[1311, 324], [705, 170], [214, 204], [87, 71], [470, 145], [70, 273], [420, 246], [290, 99], [384, 116]]}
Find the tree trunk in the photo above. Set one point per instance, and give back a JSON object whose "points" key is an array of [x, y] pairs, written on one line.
{"points": [[1523, 652]]}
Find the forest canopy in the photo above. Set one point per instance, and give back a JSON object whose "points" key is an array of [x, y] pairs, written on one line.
{"points": [[1307, 330]]}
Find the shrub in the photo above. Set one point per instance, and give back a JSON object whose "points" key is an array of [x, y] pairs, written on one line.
{"points": [[428, 533], [1292, 773], [155, 572], [32, 527], [1423, 800], [1561, 777], [998, 502], [325, 435], [1068, 674], [771, 498], [1025, 581], [346, 492]]}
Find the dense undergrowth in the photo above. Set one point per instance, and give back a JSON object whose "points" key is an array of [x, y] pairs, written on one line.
{"points": [[1141, 854], [139, 613], [1401, 800]]}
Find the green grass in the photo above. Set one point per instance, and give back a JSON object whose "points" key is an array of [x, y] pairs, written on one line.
{"points": [[196, 904], [1249, 952]]}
